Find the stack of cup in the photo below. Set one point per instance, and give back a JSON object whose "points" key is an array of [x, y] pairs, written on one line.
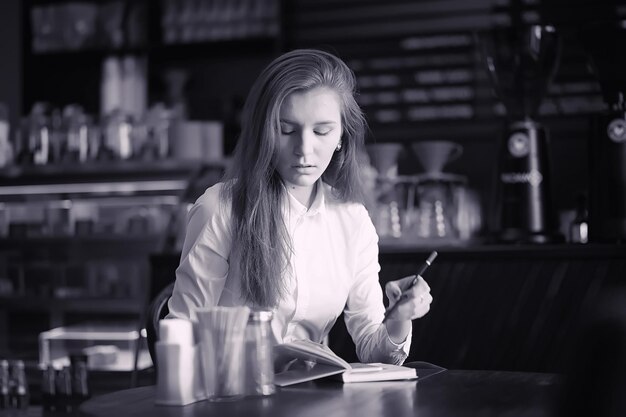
{"points": [[222, 341]]}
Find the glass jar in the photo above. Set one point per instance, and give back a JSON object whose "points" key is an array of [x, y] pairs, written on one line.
{"points": [[259, 354]]}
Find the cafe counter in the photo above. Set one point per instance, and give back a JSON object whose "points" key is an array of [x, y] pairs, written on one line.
{"points": [[502, 307]]}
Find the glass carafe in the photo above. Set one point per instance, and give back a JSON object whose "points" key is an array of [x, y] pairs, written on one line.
{"points": [[436, 208], [388, 189]]}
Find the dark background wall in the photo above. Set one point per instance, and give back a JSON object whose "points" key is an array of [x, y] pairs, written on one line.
{"points": [[11, 58]]}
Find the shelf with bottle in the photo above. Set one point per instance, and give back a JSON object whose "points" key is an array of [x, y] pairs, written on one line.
{"points": [[54, 145], [84, 227], [60, 26], [102, 45], [191, 21]]}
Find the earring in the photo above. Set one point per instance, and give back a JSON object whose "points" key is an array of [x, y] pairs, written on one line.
{"points": [[338, 148]]}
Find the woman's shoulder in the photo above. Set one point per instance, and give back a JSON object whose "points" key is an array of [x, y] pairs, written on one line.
{"points": [[208, 218], [212, 201], [352, 209], [350, 217], [211, 195]]}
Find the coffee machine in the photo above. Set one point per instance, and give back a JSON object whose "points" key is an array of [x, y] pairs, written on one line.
{"points": [[605, 41], [521, 62]]}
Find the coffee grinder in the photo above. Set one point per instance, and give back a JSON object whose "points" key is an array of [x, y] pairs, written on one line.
{"points": [[605, 41], [521, 62]]}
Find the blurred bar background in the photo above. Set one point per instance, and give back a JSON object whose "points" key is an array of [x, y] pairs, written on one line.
{"points": [[115, 115]]}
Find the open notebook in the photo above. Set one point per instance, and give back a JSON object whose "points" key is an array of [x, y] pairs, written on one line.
{"points": [[321, 361]]}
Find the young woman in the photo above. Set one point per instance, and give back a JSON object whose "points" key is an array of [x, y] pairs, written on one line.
{"points": [[286, 230]]}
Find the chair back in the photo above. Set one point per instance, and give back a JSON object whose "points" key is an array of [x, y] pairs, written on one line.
{"points": [[157, 310]]}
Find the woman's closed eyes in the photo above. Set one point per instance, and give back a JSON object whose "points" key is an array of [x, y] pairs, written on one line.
{"points": [[289, 130]]}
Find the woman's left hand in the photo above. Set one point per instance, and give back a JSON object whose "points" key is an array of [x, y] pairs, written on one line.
{"points": [[416, 302]]}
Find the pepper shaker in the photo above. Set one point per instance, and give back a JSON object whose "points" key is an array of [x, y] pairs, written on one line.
{"points": [[48, 388], [5, 384], [259, 355], [20, 397]]}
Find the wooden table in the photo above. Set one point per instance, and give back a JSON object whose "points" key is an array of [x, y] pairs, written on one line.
{"points": [[450, 393]]}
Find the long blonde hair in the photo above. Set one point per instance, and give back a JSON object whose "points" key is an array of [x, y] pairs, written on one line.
{"points": [[261, 243]]}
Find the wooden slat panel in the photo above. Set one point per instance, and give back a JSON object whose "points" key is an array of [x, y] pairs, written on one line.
{"points": [[406, 56], [515, 311]]}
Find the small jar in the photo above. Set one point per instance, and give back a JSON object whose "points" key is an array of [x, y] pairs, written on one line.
{"points": [[259, 355], [48, 388], [5, 385], [80, 378], [20, 395]]}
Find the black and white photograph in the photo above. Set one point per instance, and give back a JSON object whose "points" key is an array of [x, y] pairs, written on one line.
{"points": [[373, 208]]}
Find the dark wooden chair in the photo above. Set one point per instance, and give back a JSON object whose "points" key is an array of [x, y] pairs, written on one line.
{"points": [[157, 310], [163, 272]]}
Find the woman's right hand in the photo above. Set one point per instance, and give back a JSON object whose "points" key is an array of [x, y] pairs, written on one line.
{"points": [[416, 301]]}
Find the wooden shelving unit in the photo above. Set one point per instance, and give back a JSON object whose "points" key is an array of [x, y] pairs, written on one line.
{"points": [[142, 33], [50, 279]]}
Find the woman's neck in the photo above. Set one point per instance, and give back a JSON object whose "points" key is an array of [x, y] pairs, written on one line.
{"points": [[304, 195]]}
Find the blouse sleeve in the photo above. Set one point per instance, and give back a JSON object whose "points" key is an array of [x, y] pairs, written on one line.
{"points": [[203, 268], [364, 310]]}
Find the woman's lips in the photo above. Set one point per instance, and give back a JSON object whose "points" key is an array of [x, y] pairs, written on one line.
{"points": [[304, 168]]}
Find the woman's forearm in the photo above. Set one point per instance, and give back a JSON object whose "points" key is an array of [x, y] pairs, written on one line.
{"points": [[398, 330]]}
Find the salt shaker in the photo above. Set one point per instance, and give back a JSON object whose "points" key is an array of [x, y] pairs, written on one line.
{"points": [[80, 379], [48, 388], [20, 394], [178, 376], [5, 384], [63, 386], [259, 356]]}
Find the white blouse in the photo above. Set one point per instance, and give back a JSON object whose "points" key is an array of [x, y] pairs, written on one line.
{"points": [[334, 267]]}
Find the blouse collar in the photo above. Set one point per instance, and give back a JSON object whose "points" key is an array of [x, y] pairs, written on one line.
{"points": [[318, 205]]}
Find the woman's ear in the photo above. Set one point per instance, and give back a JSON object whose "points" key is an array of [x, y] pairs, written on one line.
{"points": [[338, 148]]}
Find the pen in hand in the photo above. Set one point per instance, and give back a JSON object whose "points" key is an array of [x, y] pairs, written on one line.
{"points": [[405, 292]]}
